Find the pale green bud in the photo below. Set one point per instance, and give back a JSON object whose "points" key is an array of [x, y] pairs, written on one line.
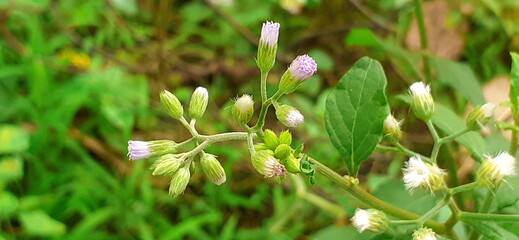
{"points": [[212, 169], [179, 181], [293, 164], [289, 116], [171, 104], [271, 140], [425, 234], [168, 164], [494, 170], [370, 219], [198, 102], [285, 138], [422, 102], [268, 166], [282, 151], [268, 46], [260, 146], [243, 109], [481, 115], [392, 130]]}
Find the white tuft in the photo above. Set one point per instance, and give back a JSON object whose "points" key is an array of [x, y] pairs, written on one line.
{"points": [[244, 103], [361, 220], [420, 89], [488, 109], [504, 163], [202, 91], [294, 118]]}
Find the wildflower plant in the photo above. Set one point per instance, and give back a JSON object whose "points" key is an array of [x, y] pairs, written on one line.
{"points": [[358, 121]]}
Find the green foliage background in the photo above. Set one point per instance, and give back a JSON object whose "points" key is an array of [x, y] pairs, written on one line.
{"points": [[78, 79]]}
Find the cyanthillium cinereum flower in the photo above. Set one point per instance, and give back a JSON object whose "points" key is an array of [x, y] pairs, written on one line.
{"points": [[481, 115], [422, 102], [289, 116], [171, 104], [212, 169], [179, 181], [392, 130], [302, 68], [168, 164], [243, 109], [494, 170], [370, 219], [268, 45], [418, 173], [268, 166], [424, 234], [145, 149], [198, 102]]}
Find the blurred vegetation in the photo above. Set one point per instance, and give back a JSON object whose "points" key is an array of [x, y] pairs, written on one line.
{"points": [[78, 79]]}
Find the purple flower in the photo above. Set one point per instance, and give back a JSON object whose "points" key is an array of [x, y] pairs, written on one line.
{"points": [[303, 67], [270, 33], [138, 150]]}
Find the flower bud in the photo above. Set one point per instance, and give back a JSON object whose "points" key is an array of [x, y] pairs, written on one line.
{"points": [[145, 149], [289, 116], [370, 219], [285, 138], [198, 102], [418, 173], [302, 68], [293, 164], [265, 163], [282, 151], [268, 46], [168, 164], [179, 181], [392, 130], [481, 115], [271, 140], [212, 169], [243, 109], [422, 102], [171, 104], [260, 146], [494, 170], [424, 234]]}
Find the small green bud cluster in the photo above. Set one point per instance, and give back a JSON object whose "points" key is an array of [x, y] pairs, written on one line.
{"points": [[279, 149]]}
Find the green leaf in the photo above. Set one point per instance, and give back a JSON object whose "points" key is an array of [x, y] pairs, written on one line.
{"points": [[493, 230], [11, 168], [361, 37], [8, 204], [355, 112], [514, 84], [460, 77], [324, 61], [449, 123], [13, 139], [38, 223]]}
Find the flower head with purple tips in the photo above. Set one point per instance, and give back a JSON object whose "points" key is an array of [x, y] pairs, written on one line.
{"points": [[303, 67], [270, 33], [138, 150]]}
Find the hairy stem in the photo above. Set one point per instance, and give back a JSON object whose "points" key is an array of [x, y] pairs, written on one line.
{"points": [[464, 216], [423, 40], [263, 89]]}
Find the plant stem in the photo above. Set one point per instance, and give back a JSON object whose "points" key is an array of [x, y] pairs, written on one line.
{"points": [[229, 136], [263, 89], [334, 209], [371, 200], [462, 188], [513, 143], [264, 109], [423, 39], [433, 211], [463, 216], [188, 126]]}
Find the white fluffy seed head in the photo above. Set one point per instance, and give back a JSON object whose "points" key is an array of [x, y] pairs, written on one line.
{"points": [[424, 234], [420, 88], [370, 219], [488, 109], [494, 170], [244, 103], [419, 174]]}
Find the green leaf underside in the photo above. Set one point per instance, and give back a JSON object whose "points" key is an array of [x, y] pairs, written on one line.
{"points": [[514, 85], [493, 230], [355, 112]]}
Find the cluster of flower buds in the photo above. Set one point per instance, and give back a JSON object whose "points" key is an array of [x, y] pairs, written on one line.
{"points": [[275, 157], [370, 219], [480, 116], [392, 132], [422, 102], [494, 170], [419, 174], [425, 234]]}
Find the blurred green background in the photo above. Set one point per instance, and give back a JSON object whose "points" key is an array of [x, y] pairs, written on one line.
{"points": [[79, 78]]}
